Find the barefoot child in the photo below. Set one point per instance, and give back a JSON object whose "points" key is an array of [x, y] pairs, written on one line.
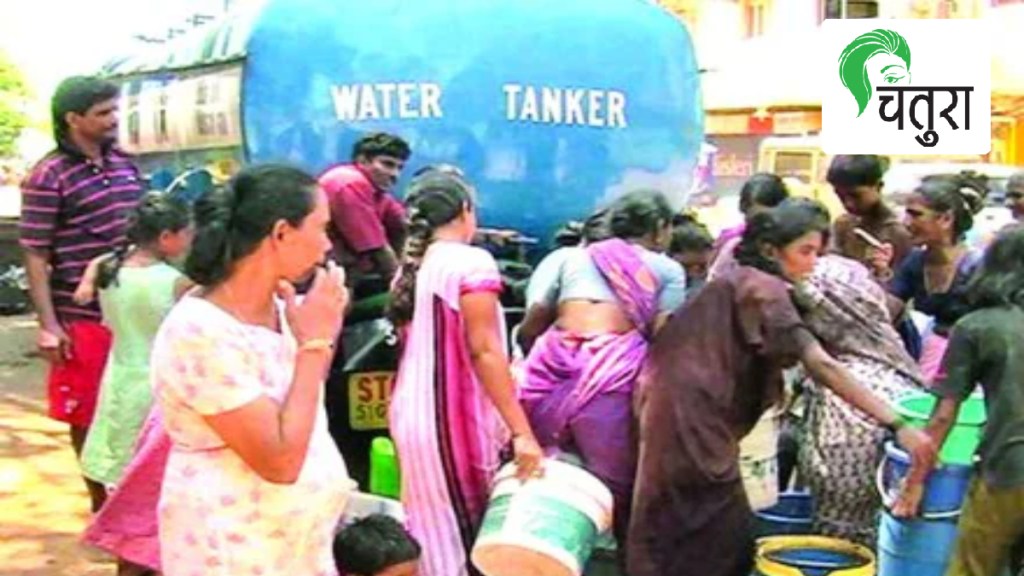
{"points": [[137, 287]]}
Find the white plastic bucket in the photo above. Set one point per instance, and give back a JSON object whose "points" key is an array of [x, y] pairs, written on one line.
{"points": [[759, 462], [544, 527]]}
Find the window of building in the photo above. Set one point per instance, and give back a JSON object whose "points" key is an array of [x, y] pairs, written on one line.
{"points": [[949, 8], [755, 17], [854, 9]]}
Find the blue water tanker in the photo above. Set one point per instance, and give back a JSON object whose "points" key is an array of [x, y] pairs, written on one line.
{"points": [[551, 108]]}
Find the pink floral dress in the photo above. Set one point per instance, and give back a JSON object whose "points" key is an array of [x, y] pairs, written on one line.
{"points": [[217, 517]]}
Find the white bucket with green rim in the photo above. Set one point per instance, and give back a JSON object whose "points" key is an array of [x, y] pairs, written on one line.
{"points": [[546, 526], [759, 462]]}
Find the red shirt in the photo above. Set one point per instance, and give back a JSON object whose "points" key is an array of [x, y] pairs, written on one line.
{"points": [[363, 217]]}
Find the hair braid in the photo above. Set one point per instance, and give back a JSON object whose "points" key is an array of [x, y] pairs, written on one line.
{"points": [[436, 198]]}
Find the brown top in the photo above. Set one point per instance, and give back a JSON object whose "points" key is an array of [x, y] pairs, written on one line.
{"points": [[712, 371], [890, 230]]}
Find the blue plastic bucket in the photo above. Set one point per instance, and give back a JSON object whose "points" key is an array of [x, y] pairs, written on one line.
{"points": [[791, 516], [944, 492], [914, 547]]}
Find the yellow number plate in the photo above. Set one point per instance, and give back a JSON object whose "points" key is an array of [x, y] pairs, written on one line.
{"points": [[369, 394]]}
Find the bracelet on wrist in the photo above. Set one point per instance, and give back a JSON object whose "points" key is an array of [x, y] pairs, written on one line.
{"points": [[316, 345]]}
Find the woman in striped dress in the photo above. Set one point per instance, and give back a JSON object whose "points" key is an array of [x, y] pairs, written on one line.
{"points": [[454, 402]]}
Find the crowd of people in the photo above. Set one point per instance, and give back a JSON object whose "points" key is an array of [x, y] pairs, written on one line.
{"points": [[189, 346]]}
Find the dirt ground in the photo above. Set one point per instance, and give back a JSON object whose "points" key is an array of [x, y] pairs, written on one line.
{"points": [[43, 503]]}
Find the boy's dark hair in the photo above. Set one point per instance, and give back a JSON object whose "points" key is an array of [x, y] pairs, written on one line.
{"points": [[689, 235], [381, 144], [78, 94], [857, 170], [372, 544]]}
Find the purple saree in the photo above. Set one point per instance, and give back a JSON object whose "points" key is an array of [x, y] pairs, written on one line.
{"points": [[578, 390]]}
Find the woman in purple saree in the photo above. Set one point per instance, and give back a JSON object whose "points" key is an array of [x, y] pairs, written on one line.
{"points": [[610, 298]]}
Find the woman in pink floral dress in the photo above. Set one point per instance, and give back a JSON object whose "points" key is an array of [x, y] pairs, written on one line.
{"points": [[254, 484]]}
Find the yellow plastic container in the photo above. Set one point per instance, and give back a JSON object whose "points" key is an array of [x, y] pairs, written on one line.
{"points": [[812, 556]]}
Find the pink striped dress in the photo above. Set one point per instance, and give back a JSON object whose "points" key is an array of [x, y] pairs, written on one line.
{"points": [[447, 432]]}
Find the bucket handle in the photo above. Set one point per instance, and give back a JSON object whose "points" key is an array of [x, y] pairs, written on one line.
{"points": [[889, 500]]}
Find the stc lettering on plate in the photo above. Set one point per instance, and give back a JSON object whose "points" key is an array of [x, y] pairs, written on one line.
{"points": [[522, 103]]}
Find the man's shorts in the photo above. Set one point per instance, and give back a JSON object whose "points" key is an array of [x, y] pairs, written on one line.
{"points": [[74, 386]]}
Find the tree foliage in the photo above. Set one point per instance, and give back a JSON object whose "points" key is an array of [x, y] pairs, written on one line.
{"points": [[13, 98]]}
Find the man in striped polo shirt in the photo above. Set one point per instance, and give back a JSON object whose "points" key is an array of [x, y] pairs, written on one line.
{"points": [[74, 208]]}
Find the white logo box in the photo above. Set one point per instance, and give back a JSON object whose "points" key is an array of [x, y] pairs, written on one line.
{"points": [[945, 58]]}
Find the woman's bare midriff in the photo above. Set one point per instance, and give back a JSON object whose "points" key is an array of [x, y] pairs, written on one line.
{"points": [[592, 317]]}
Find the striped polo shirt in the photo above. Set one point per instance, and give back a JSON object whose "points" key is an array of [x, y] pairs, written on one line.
{"points": [[74, 210]]}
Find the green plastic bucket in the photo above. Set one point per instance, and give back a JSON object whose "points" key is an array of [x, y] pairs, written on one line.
{"points": [[964, 436]]}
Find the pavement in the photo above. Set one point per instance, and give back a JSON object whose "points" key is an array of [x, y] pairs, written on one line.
{"points": [[43, 503]]}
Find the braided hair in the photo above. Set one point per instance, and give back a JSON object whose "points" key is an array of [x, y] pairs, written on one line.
{"points": [[961, 195], [434, 199], [156, 213]]}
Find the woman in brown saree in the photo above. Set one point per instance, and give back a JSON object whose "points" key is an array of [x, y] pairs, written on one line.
{"points": [[712, 371]]}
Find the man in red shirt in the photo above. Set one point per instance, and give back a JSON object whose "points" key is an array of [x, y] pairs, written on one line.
{"points": [[368, 222]]}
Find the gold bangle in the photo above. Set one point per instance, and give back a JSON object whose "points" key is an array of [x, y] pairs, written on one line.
{"points": [[316, 344]]}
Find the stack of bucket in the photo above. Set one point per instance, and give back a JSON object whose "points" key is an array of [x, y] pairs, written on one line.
{"points": [[922, 546], [791, 516]]}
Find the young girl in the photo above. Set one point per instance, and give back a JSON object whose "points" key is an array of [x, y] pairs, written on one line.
{"points": [[137, 287], [985, 349]]}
